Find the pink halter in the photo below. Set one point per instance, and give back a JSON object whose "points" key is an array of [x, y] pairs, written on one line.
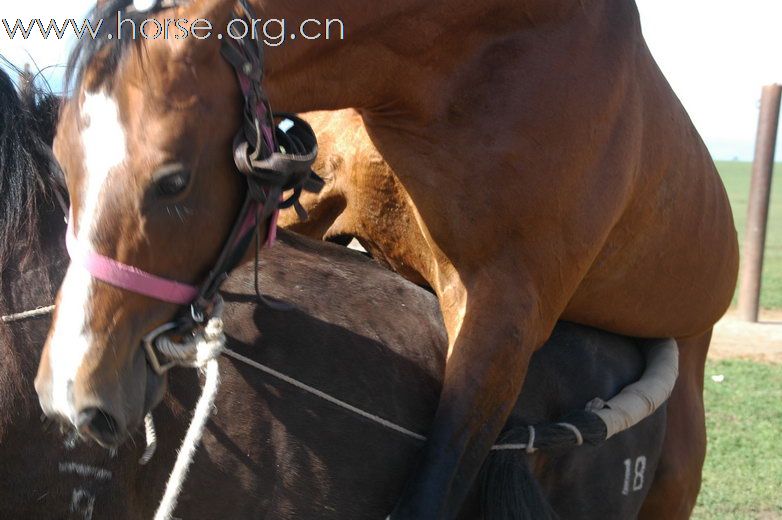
{"points": [[135, 280]]}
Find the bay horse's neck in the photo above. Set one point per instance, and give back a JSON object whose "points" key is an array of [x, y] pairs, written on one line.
{"points": [[390, 40]]}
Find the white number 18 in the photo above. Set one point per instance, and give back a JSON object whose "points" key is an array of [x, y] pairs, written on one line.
{"points": [[638, 476]]}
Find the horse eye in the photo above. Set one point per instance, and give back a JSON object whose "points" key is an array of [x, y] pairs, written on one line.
{"points": [[171, 180]]}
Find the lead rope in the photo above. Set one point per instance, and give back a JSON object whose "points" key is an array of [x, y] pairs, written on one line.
{"points": [[195, 431], [201, 351], [206, 347]]}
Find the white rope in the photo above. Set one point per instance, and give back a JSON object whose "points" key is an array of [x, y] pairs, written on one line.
{"points": [[207, 345], [190, 443], [211, 343], [314, 391], [531, 442], [151, 436], [358, 411], [576, 432], [26, 315], [206, 402], [529, 446], [201, 350]]}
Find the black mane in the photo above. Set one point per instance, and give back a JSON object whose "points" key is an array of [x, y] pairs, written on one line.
{"points": [[29, 174], [107, 44]]}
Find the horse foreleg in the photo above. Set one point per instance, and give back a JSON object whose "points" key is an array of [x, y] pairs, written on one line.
{"points": [[483, 378], [677, 480]]}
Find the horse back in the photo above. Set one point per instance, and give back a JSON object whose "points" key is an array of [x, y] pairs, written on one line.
{"points": [[376, 341]]}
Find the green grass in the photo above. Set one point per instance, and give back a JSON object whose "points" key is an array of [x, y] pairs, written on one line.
{"points": [[742, 478], [736, 176]]}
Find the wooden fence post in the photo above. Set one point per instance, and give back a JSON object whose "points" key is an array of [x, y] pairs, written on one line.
{"points": [[759, 194]]}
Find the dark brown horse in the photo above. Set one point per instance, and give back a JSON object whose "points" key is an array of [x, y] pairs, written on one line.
{"points": [[554, 171], [272, 449]]}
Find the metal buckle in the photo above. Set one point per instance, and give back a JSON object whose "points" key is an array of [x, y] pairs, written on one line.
{"points": [[149, 346], [242, 155], [197, 314]]}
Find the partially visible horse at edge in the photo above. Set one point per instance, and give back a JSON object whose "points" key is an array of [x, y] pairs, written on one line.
{"points": [[357, 332], [554, 170]]}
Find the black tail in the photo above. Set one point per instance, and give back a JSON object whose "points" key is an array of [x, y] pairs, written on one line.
{"points": [[509, 490]]}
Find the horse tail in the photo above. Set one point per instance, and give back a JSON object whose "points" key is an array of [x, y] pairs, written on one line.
{"points": [[509, 490]]}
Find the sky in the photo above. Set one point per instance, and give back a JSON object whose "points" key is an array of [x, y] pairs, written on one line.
{"points": [[717, 54]]}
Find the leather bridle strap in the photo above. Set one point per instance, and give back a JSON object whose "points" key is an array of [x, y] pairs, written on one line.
{"points": [[268, 170]]}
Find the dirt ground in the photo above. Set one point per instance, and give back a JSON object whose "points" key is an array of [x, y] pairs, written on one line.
{"points": [[760, 341]]}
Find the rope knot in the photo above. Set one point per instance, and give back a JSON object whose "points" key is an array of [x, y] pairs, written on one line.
{"points": [[203, 345], [209, 344]]}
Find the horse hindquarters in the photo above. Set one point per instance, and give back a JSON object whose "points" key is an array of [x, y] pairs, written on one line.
{"points": [[606, 481], [600, 479]]}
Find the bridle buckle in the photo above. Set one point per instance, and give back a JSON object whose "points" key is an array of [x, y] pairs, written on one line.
{"points": [[197, 313], [149, 345]]}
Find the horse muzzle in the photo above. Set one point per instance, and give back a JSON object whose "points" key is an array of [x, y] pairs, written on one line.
{"points": [[106, 412]]}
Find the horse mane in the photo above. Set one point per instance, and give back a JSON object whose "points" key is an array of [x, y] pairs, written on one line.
{"points": [[29, 175], [109, 47]]}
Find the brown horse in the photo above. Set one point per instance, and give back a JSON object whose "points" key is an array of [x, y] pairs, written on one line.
{"points": [[362, 199], [273, 450], [553, 169]]}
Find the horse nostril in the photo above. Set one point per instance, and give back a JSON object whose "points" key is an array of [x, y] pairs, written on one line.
{"points": [[99, 425]]}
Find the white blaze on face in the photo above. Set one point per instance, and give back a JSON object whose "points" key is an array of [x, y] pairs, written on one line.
{"points": [[104, 145]]}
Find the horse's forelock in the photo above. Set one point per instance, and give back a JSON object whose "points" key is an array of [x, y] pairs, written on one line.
{"points": [[102, 55]]}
